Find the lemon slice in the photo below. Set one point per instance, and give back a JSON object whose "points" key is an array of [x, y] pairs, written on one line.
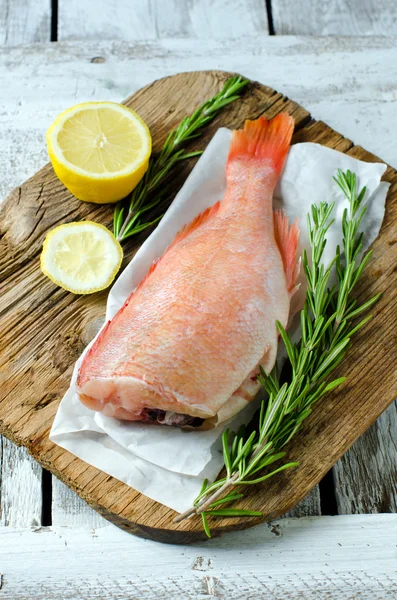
{"points": [[81, 257], [99, 150]]}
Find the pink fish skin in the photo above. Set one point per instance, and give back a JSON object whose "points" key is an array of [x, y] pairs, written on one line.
{"points": [[190, 338]]}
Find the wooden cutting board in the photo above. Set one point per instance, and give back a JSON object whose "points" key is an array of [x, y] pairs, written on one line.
{"points": [[44, 329]]}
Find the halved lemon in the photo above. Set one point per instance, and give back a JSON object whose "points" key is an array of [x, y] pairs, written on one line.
{"points": [[82, 257], [99, 150]]}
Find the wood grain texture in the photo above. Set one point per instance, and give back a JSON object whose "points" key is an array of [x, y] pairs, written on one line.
{"points": [[365, 478], [335, 17], [21, 22], [24, 119], [29, 103], [152, 19], [20, 487], [32, 97], [39, 346], [25, 21], [338, 558], [68, 509], [310, 506]]}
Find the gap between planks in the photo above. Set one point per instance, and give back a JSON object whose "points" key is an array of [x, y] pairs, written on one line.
{"points": [[222, 19], [21, 22], [96, 79], [29, 21], [322, 133], [156, 19]]}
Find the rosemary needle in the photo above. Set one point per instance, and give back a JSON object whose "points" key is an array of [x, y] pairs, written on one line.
{"points": [[327, 324], [130, 215]]}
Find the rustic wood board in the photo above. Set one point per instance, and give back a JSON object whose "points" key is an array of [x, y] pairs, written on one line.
{"points": [[44, 328]]}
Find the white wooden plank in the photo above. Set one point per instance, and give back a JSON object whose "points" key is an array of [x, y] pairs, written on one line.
{"points": [[20, 487], [214, 19], [310, 558], [69, 509], [21, 22], [105, 20], [335, 17], [150, 19], [31, 95], [365, 478], [25, 21]]}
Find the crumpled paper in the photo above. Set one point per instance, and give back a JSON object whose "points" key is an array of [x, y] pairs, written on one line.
{"points": [[166, 463]]}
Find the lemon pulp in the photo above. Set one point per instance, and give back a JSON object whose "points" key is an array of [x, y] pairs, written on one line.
{"points": [[81, 257], [99, 150]]}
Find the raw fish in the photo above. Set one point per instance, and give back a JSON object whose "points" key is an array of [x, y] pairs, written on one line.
{"points": [[186, 346]]}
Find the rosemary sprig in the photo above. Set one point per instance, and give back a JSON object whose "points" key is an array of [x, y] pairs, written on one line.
{"points": [[130, 214], [328, 324]]}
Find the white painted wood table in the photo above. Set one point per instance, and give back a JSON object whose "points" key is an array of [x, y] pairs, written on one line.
{"points": [[106, 50]]}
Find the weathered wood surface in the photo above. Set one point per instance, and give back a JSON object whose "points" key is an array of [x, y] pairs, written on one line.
{"points": [[338, 558], [222, 19], [24, 21], [27, 21], [310, 506], [21, 22], [365, 477], [32, 97], [68, 509], [152, 19], [334, 17], [20, 487], [28, 104], [41, 203]]}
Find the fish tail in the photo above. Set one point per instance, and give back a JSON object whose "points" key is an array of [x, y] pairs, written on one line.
{"points": [[287, 237], [263, 139]]}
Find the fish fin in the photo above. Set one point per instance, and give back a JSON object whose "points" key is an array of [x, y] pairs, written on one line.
{"points": [[264, 139], [287, 237], [201, 218], [182, 234], [143, 281], [98, 340]]}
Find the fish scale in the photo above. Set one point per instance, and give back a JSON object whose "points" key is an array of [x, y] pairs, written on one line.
{"points": [[189, 340]]}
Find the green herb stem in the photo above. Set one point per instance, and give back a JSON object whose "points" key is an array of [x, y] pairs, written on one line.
{"points": [[129, 214], [327, 324]]}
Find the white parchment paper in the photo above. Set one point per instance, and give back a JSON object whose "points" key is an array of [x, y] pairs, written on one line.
{"points": [[166, 463]]}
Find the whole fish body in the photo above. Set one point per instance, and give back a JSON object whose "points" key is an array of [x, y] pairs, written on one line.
{"points": [[186, 346]]}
